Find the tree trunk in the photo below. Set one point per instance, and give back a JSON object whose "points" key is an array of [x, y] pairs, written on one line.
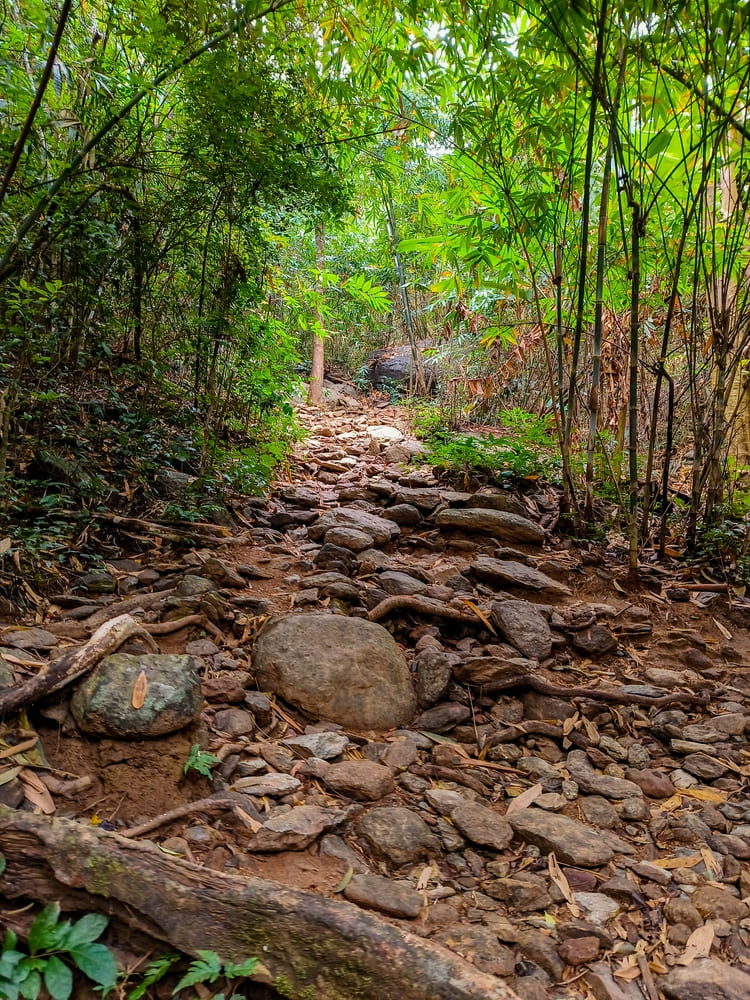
{"points": [[312, 946]]}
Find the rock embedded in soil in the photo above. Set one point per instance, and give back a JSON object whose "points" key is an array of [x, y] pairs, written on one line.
{"points": [[294, 830], [352, 539], [373, 892], [432, 674], [363, 780], [524, 626], [103, 703], [397, 834], [30, 638], [380, 529], [570, 841], [595, 641], [482, 825], [517, 574], [593, 783], [499, 524], [480, 946], [343, 670], [705, 979], [325, 746]]}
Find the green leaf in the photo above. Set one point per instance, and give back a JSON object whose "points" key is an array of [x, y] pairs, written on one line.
{"points": [[3, 863], [30, 985], [8, 988], [58, 979], [97, 962], [206, 971], [85, 930], [41, 934], [246, 968]]}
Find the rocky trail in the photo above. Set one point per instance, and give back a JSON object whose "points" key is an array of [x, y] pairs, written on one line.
{"points": [[451, 754]]}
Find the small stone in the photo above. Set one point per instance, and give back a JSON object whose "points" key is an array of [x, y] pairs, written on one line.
{"points": [[373, 892], [363, 780], [432, 667], [633, 810], [703, 766], [294, 830], [442, 717], [595, 642], [351, 539], [326, 745], [480, 946], [267, 784], [598, 907], [705, 979], [30, 638], [482, 825], [517, 574], [234, 722], [579, 951], [523, 893], [653, 783], [397, 834], [572, 842], [682, 911], [713, 901], [598, 811], [525, 627]]}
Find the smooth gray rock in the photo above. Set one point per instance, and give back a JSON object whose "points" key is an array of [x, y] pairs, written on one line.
{"points": [[593, 783], [517, 574], [705, 979], [267, 784], [482, 825], [497, 523], [595, 641], [102, 704], [364, 780], [352, 539], [394, 582], [571, 841], [294, 830], [344, 670], [381, 530], [30, 638], [373, 892], [525, 627], [397, 834], [432, 668], [326, 746]]}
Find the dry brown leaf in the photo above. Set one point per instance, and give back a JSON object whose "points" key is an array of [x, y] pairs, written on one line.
{"points": [[36, 792], [524, 799], [480, 614], [5, 544], [570, 724], [591, 731], [425, 877], [724, 631], [9, 774], [669, 863], [140, 688], [672, 803], [13, 751], [713, 865], [698, 945], [558, 877], [252, 824], [706, 794], [628, 970]]}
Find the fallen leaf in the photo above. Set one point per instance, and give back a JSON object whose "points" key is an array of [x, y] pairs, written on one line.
{"points": [[345, 880], [139, 690], [426, 876], [524, 799], [669, 863], [558, 877], [713, 865], [698, 945], [724, 631], [480, 614], [36, 792], [705, 794], [629, 970], [5, 544], [9, 774]]}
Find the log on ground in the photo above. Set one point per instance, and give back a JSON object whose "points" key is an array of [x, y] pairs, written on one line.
{"points": [[313, 946]]}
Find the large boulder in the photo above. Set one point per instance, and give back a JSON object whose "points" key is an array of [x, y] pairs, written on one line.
{"points": [[343, 670], [396, 364]]}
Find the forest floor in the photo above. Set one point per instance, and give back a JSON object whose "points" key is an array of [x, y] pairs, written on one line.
{"points": [[565, 801]]}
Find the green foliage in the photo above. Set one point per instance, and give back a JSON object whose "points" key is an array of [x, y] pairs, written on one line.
{"points": [[154, 972], [726, 539], [200, 761], [208, 967], [55, 949], [523, 451]]}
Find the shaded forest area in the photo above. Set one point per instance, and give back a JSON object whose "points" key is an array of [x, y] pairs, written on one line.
{"points": [[547, 201]]}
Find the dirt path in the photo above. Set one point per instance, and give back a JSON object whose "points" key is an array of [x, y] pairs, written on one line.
{"points": [[587, 842]]}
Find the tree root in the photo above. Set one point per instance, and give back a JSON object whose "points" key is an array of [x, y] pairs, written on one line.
{"points": [[422, 606], [311, 945], [73, 664], [544, 686]]}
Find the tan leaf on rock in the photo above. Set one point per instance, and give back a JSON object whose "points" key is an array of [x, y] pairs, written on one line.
{"points": [[140, 688]]}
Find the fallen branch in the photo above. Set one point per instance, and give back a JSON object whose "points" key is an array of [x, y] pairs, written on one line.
{"points": [[73, 664], [312, 945], [420, 605], [442, 773], [209, 804], [141, 602]]}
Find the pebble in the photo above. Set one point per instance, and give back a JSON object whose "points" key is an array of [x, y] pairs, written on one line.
{"points": [[373, 892]]}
